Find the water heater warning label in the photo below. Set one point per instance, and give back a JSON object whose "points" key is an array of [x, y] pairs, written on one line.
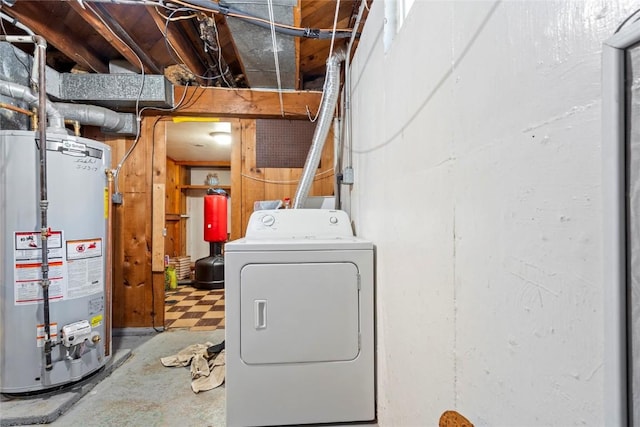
{"points": [[28, 245], [76, 268], [40, 335], [85, 267], [27, 271]]}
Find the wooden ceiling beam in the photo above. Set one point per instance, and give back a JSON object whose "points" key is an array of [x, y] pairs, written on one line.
{"points": [[245, 103], [62, 38], [180, 44], [110, 29], [91, 19]]}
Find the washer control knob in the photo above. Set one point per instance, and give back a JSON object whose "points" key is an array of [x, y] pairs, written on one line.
{"points": [[268, 220], [333, 220]]}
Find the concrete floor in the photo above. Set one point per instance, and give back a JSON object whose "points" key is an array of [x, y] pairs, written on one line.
{"points": [[140, 392]]}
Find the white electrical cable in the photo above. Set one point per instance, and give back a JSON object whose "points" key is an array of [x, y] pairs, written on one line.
{"points": [[275, 54], [335, 25], [317, 176], [222, 73], [333, 35], [137, 110]]}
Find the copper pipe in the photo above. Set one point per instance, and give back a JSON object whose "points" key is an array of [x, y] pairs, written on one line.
{"points": [[76, 125], [108, 210], [16, 109]]}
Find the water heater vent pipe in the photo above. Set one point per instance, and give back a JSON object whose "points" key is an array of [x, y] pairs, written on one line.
{"points": [[325, 118], [57, 112], [92, 115], [23, 93]]}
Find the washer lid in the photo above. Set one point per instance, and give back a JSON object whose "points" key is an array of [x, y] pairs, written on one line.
{"points": [[295, 313]]}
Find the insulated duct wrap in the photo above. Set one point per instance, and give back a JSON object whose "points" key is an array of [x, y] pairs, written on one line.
{"points": [[23, 93], [325, 118], [92, 115]]}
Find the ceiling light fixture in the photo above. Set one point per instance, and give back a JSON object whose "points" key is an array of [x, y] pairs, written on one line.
{"points": [[222, 138]]}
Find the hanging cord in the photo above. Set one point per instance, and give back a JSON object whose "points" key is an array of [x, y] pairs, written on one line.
{"points": [[626, 20], [316, 177], [116, 173], [333, 34], [24, 28], [219, 51], [275, 54], [335, 24], [215, 7], [173, 52]]}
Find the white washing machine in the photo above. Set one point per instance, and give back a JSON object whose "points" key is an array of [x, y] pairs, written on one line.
{"points": [[299, 321]]}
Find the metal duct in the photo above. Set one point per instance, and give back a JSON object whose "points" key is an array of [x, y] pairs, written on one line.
{"points": [[115, 91], [23, 93], [92, 116], [255, 47], [325, 117]]}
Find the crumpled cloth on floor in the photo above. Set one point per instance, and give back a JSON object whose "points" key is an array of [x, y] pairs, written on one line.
{"points": [[207, 370]]}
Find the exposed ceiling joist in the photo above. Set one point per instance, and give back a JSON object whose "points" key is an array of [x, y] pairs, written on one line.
{"points": [[105, 24], [61, 36], [95, 22], [180, 44]]}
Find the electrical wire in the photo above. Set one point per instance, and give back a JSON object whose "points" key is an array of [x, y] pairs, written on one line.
{"points": [[316, 177], [169, 109], [137, 138], [275, 55], [138, 110], [627, 19], [178, 59], [116, 172], [222, 73], [335, 24], [324, 85], [177, 18], [4, 31], [292, 30]]}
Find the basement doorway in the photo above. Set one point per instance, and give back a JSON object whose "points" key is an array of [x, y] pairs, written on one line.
{"points": [[198, 158]]}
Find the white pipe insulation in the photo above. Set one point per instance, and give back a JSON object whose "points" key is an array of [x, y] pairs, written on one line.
{"points": [[325, 118]]}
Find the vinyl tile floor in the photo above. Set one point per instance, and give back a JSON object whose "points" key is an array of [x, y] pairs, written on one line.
{"points": [[194, 309]]}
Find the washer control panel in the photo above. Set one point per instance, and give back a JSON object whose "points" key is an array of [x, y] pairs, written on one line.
{"points": [[299, 223]]}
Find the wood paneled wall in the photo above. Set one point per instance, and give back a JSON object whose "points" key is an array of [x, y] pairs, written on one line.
{"points": [[257, 184], [153, 202], [175, 242]]}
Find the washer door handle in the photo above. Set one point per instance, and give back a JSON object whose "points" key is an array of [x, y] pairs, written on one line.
{"points": [[260, 313]]}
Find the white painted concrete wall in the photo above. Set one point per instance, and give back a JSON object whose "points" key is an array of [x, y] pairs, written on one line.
{"points": [[478, 176]]}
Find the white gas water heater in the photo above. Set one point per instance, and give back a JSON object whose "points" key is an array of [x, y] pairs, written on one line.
{"points": [[60, 335]]}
